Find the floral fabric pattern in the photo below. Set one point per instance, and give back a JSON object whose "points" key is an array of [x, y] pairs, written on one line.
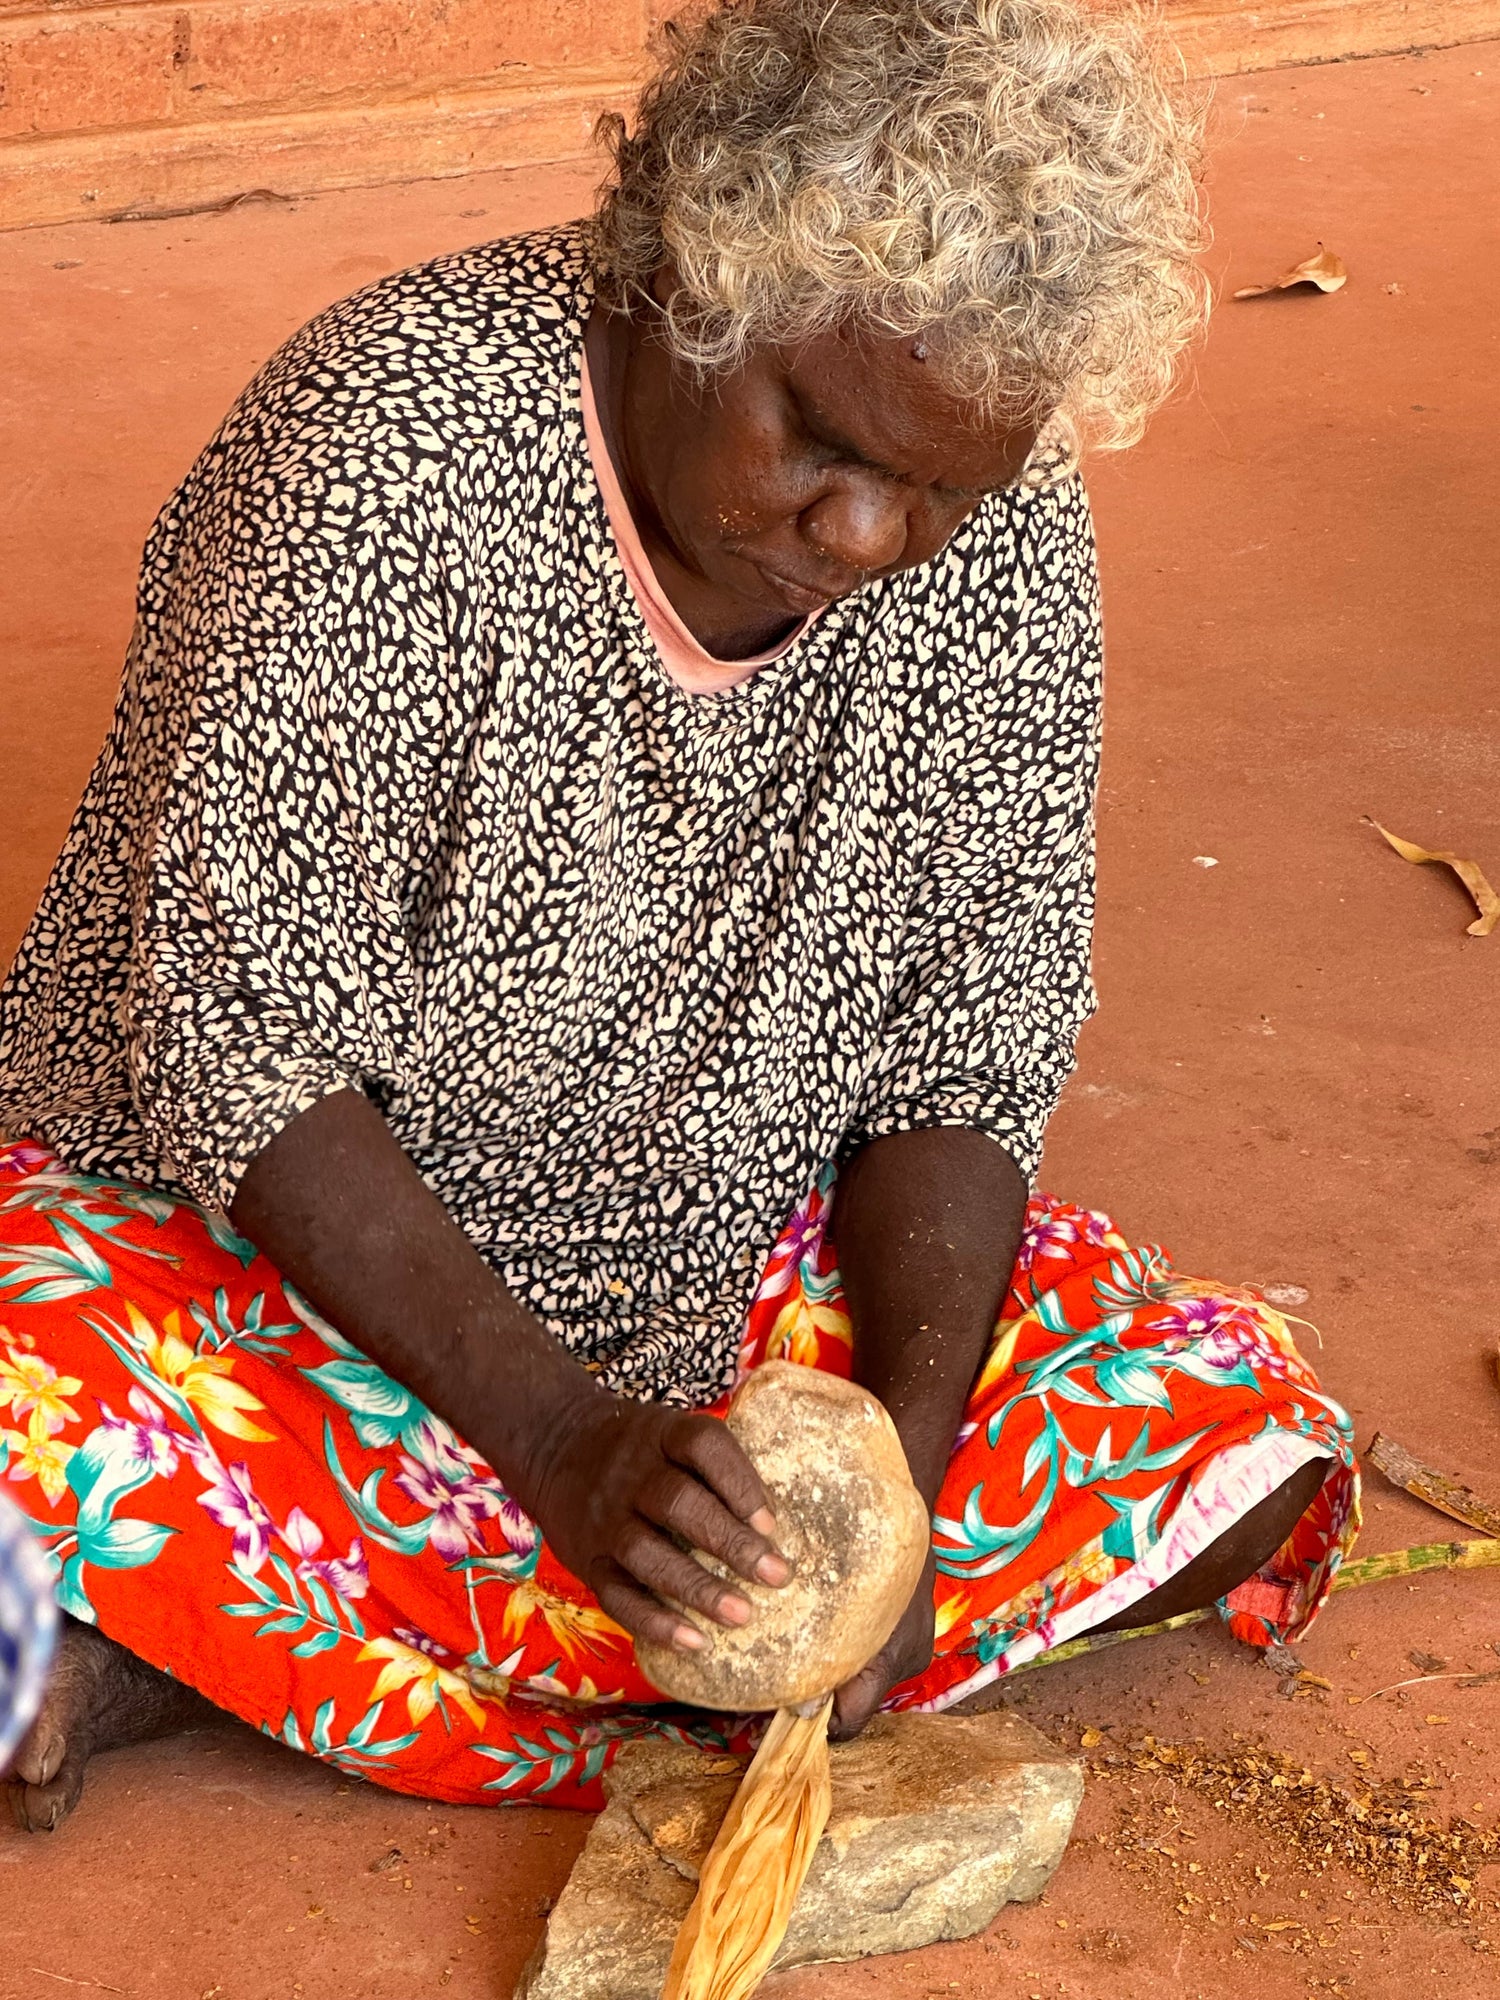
{"points": [[230, 1489]]}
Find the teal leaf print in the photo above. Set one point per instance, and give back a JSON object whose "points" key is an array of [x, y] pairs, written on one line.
{"points": [[228, 1238], [319, 1616], [255, 1333], [1137, 1279], [124, 1544], [48, 1274], [409, 1539], [102, 1471], [1130, 1382], [359, 1753], [71, 1595], [380, 1410]]}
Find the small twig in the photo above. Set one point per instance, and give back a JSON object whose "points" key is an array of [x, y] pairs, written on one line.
{"points": [[63, 1980], [1467, 1680]]}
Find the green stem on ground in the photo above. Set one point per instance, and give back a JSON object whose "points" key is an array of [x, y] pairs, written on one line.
{"points": [[1482, 1554]]}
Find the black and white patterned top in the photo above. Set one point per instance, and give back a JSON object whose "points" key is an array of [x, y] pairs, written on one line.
{"points": [[398, 794]]}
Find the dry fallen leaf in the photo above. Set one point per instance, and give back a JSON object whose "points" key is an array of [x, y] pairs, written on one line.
{"points": [[1428, 1663], [1328, 272], [1091, 1739], [1468, 872], [1425, 1482]]}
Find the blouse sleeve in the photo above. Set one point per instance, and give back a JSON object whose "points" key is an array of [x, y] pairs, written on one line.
{"points": [[994, 981], [273, 959]]}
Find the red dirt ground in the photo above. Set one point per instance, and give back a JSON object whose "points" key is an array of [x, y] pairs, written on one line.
{"points": [[1293, 1080]]}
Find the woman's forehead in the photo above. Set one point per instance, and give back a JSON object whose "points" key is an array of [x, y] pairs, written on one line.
{"points": [[881, 399]]}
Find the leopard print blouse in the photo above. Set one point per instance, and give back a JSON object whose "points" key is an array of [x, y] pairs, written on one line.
{"points": [[398, 795]]}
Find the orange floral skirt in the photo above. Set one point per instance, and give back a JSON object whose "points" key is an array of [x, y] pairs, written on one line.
{"points": [[229, 1489]]}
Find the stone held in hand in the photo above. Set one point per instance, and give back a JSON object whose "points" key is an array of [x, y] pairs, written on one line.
{"points": [[849, 1521]]}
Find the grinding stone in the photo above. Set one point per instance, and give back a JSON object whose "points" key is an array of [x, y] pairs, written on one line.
{"points": [[849, 1521]]}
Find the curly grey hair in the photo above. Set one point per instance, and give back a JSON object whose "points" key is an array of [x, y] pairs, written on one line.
{"points": [[1014, 180]]}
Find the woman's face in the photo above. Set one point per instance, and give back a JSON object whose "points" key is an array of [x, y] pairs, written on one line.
{"points": [[808, 471]]}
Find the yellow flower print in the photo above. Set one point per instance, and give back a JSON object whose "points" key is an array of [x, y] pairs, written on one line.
{"points": [[1088, 1567], [952, 1611], [997, 1364], [41, 1456], [32, 1387], [424, 1679], [801, 1325], [201, 1379], [572, 1626]]}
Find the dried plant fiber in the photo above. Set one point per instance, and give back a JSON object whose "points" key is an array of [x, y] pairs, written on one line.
{"points": [[757, 1864], [856, 1532]]}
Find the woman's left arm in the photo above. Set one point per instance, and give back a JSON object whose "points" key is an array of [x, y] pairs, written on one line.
{"points": [[980, 1023], [927, 1224]]}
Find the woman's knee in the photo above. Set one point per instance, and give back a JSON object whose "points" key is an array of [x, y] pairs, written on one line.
{"points": [[1233, 1557]]}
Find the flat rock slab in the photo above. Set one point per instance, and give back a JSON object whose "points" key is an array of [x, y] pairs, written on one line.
{"points": [[937, 1822]]}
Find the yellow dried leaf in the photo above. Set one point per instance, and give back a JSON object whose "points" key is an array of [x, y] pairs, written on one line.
{"points": [[1434, 1720], [1091, 1738], [1328, 272], [1468, 872]]}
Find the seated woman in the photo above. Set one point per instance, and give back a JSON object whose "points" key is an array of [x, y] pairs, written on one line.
{"points": [[598, 814]]}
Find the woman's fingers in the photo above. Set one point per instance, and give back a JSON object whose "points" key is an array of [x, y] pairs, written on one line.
{"points": [[859, 1698], [642, 1615], [706, 1446], [649, 1558], [907, 1653], [687, 1508]]}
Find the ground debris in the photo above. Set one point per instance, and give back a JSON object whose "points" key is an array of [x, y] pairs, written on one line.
{"points": [[1381, 1834], [1404, 1469], [1323, 269], [1468, 872]]}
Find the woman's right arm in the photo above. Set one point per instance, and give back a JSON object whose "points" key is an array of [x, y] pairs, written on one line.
{"points": [[338, 1207]]}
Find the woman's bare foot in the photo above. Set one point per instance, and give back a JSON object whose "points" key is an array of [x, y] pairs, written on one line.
{"points": [[98, 1697]]}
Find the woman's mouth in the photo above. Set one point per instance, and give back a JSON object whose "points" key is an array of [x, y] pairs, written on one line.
{"points": [[795, 596]]}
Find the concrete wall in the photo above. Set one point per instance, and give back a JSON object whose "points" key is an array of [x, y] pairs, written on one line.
{"points": [[135, 107]]}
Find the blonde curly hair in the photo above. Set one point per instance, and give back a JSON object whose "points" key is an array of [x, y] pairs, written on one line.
{"points": [[1014, 180]]}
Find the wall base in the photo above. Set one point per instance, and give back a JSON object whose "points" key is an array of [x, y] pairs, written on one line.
{"points": [[534, 115]]}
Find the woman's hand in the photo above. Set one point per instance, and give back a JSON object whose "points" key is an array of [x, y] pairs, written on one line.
{"points": [[905, 1654], [624, 1484]]}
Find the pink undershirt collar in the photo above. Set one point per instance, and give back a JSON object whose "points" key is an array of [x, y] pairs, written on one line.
{"points": [[686, 662]]}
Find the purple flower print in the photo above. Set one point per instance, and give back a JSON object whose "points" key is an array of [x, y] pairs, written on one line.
{"points": [[1094, 1227], [803, 1235], [518, 1528], [153, 1442], [1221, 1333], [348, 1576], [231, 1500], [456, 1505], [420, 1643], [1050, 1235]]}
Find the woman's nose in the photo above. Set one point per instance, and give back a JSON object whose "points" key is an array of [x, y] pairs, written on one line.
{"points": [[861, 526]]}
